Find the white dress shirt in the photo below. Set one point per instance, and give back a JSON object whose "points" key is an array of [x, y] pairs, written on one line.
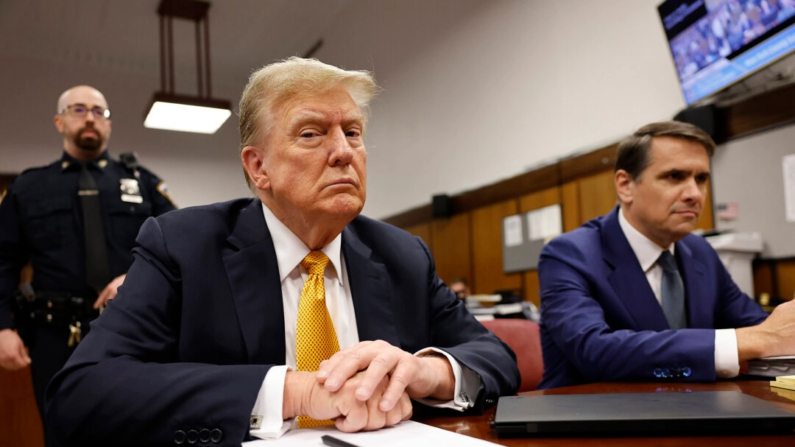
{"points": [[290, 251], [727, 363]]}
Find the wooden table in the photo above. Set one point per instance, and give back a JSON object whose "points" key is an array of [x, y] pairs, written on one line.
{"points": [[478, 426]]}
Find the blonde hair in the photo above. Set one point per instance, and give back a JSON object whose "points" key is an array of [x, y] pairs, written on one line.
{"points": [[276, 83]]}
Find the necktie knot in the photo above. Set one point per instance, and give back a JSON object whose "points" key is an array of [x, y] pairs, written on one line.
{"points": [[315, 262], [667, 261]]}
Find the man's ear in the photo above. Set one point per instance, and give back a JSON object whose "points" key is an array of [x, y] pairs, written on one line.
{"points": [[58, 120], [625, 186], [253, 159]]}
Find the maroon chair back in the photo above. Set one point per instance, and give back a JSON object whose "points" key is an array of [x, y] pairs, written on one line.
{"points": [[524, 338]]}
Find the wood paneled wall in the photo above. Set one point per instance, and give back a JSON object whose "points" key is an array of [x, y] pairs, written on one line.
{"points": [[450, 242], [469, 245], [453, 242], [527, 203], [20, 425], [597, 195], [785, 279], [423, 231], [583, 185], [775, 277], [487, 249]]}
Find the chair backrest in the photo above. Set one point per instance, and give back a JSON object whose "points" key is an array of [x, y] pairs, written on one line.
{"points": [[523, 336]]}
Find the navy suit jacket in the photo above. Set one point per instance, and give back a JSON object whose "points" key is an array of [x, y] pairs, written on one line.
{"points": [[600, 320], [199, 321]]}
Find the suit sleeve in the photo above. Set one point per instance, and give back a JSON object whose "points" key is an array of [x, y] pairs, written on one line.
{"points": [[577, 325], [12, 255], [124, 385], [456, 332]]}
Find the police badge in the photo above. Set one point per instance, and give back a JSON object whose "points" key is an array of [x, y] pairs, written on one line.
{"points": [[130, 191]]}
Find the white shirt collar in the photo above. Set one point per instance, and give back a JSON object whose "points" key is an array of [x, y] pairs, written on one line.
{"points": [[645, 249], [290, 250]]}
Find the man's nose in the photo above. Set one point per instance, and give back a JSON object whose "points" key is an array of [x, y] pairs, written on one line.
{"points": [[341, 152], [693, 191]]}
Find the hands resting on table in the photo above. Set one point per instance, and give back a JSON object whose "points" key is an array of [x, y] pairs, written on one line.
{"points": [[367, 386]]}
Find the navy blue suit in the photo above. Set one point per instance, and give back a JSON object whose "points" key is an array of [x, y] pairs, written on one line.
{"points": [[600, 320], [199, 321]]}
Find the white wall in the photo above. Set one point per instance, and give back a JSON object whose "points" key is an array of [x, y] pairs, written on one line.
{"points": [[504, 88], [748, 172], [474, 91]]}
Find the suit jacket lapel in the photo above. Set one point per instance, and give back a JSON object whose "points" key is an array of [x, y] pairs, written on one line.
{"points": [[628, 279], [371, 291], [699, 302], [253, 273]]}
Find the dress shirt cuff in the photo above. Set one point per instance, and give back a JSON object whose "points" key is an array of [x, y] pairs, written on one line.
{"points": [[268, 407], [467, 385], [727, 360]]}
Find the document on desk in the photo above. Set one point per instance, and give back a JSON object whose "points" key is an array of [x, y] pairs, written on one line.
{"points": [[406, 433], [772, 366]]}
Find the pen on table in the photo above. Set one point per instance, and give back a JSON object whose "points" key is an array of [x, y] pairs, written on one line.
{"points": [[334, 442]]}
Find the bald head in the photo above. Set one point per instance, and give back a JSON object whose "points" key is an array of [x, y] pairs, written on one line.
{"points": [[81, 92], [82, 120]]}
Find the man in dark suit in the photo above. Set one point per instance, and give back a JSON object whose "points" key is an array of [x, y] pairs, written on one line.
{"points": [[226, 305], [634, 296]]}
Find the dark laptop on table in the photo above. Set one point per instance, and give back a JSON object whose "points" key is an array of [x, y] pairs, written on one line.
{"points": [[713, 412]]}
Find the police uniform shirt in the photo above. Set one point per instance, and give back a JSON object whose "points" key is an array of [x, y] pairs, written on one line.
{"points": [[41, 221]]}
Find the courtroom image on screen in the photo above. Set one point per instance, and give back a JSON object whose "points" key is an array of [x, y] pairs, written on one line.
{"points": [[715, 43]]}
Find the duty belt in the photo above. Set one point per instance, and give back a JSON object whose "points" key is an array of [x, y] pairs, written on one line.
{"points": [[58, 309]]}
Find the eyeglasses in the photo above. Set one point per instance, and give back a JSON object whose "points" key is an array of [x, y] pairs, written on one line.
{"points": [[80, 110]]}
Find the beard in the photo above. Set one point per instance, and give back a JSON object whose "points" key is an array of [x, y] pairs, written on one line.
{"points": [[89, 143]]}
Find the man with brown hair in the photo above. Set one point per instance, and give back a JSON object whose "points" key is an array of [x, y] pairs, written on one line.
{"points": [[238, 317], [634, 296]]}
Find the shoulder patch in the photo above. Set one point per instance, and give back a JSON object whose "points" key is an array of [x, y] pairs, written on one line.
{"points": [[162, 188]]}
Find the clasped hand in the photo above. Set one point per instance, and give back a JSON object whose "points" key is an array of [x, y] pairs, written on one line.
{"points": [[368, 386]]}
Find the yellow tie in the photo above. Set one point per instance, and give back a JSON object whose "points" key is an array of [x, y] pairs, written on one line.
{"points": [[315, 338]]}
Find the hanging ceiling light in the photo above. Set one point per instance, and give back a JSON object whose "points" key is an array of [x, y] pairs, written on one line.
{"points": [[169, 111]]}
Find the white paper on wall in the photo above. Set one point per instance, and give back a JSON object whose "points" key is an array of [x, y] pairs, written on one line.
{"points": [[512, 231], [544, 223]]}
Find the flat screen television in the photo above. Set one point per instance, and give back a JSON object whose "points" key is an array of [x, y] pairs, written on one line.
{"points": [[716, 43]]}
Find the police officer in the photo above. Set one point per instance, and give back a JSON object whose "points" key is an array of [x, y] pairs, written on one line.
{"points": [[76, 221]]}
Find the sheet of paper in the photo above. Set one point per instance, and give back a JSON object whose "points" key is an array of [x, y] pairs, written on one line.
{"points": [[789, 186], [406, 433], [534, 224], [512, 231], [544, 223]]}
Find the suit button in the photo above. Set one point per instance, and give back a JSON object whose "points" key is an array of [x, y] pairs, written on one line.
{"points": [[193, 436], [204, 436], [215, 435], [179, 437], [686, 371]]}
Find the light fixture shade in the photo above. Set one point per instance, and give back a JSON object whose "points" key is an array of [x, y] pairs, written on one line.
{"points": [[186, 113]]}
